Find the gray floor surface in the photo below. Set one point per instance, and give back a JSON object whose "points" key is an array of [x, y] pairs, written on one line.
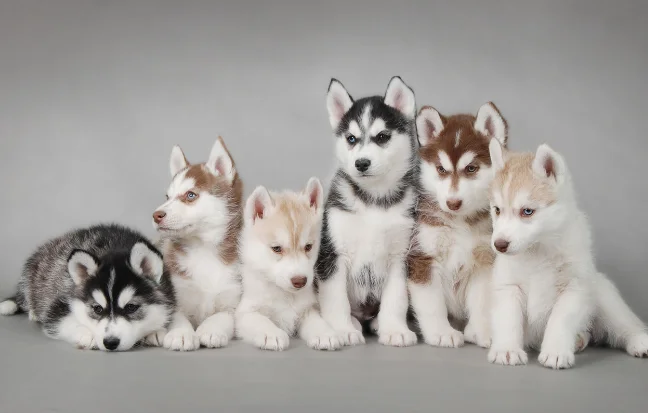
{"points": [[43, 375]]}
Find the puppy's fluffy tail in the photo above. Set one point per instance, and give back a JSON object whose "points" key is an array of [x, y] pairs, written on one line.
{"points": [[9, 307]]}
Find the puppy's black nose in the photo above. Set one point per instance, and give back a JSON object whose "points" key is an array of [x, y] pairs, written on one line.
{"points": [[362, 164], [111, 343], [501, 245]]}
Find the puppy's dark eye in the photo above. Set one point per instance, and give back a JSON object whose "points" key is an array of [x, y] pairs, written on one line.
{"points": [[308, 247], [97, 309], [441, 169], [471, 169], [497, 210], [277, 249], [526, 212], [351, 139], [131, 308], [382, 137]]}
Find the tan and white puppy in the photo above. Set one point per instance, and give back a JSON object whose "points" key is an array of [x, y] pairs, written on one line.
{"points": [[547, 292], [199, 227], [279, 246], [450, 262]]}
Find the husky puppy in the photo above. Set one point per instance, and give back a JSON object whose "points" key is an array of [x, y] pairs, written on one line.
{"points": [[369, 214], [547, 292], [100, 287], [279, 246], [199, 227], [450, 262]]}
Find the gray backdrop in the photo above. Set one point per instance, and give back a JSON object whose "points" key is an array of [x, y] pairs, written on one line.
{"points": [[93, 94]]}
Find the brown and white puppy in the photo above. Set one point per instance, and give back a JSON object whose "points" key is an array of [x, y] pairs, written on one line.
{"points": [[450, 262], [199, 227], [280, 242]]}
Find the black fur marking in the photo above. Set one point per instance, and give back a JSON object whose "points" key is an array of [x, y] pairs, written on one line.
{"points": [[326, 264], [394, 119], [409, 180], [59, 309]]}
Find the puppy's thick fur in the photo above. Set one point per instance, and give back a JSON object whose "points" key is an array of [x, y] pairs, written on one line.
{"points": [[280, 242], [450, 262], [102, 287], [199, 227], [369, 214], [547, 292]]}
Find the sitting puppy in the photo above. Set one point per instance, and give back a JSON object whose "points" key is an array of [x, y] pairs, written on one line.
{"points": [[279, 245], [102, 287], [547, 292]]}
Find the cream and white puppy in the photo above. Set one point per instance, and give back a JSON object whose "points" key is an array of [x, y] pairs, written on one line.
{"points": [[547, 292], [279, 246]]}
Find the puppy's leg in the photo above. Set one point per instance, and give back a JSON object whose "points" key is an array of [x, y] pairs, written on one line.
{"points": [[317, 333], [507, 325], [570, 315], [429, 306], [253, 327], [392, 316], [335, 306], [216, 330], [62, 324], [624, 329], [181, 335], [477, 330]]}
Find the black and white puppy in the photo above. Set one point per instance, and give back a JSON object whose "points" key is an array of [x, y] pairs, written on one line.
{"points": [[100, 287], [369, 214]]}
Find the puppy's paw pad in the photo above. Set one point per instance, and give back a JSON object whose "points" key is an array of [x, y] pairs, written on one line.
{"points": [[155, 339], [512, 357], [275, 340], [557, 360], [450, 339], [403, 338], [181, 340], [638, 345]]}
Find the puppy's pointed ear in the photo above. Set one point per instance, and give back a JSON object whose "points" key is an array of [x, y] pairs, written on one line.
{"points": [[496, 154], [400, 97], [549, 164], [220, 162], [178, 160], [338, 102], [429, 124], [82, 265], [315, 193], [491, 123], [258, 204], [146, 261]]}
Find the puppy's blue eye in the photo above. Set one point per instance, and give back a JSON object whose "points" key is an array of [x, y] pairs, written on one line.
{"points": [[351, 139], [191, 196], [527, 212]]}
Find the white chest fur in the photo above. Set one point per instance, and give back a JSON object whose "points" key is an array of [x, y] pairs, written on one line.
{"points": [[369, 240], [209, 285]]}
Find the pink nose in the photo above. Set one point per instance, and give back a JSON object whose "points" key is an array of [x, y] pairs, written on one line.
{"points": [[501, 245], [298, 281], [158, 216], [454, 204]]}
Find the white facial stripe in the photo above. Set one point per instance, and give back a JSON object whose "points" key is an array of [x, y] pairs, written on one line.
{"points": [[354, 129], [181, 185], [445, 161], [366, 117], [465, 159], [458, 138], [377, 127], [99, 298], [125, 296]]}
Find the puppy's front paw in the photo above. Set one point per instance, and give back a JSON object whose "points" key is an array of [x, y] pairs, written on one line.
{"points": [[479, 336], [637, 345], [557, 359], [508, 357], [212, 337], [85, 340], [181, 339], [276, 340], [325, 341], [350, 337], [582, 341], [446, 338], [398, 338], [155, 339]]}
